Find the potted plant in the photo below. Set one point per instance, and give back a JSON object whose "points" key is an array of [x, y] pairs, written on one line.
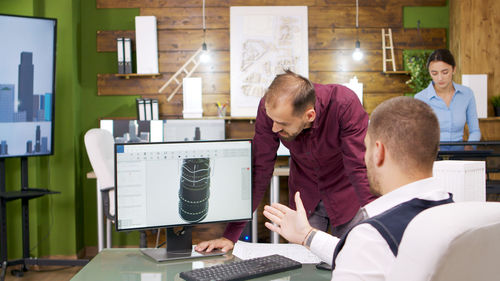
{"points": [[415, 63], [495, 101]]}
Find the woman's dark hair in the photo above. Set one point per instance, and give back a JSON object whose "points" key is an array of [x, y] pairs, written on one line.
{"points": [[443, 55]]}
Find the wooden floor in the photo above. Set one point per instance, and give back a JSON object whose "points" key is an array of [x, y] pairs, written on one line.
{"points": [[46, 273]]}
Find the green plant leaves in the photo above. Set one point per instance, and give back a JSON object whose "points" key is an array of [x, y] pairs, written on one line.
{"points": [[495, 101], [415, 63]]}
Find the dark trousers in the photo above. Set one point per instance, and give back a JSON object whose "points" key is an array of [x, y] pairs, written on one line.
{"points": [[320, 220]]}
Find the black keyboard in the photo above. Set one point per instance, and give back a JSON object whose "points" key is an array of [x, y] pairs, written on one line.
{"points": [[242, 270]]}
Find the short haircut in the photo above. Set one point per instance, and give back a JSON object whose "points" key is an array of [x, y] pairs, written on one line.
{"points": [[290, 85], [409, 129], [443, 55]]}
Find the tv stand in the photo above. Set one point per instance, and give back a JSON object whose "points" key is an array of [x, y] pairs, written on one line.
{"points": [[25, 194], [179, 246]]}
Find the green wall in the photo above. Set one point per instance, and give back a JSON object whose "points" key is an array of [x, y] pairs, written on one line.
{"points": [[64, 224], [96, 107], [429, 17]]}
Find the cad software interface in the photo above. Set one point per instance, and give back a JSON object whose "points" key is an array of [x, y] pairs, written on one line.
{"points": [[168, 184]]}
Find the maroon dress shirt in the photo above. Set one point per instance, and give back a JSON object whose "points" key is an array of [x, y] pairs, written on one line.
{"points": [[327, 160]]}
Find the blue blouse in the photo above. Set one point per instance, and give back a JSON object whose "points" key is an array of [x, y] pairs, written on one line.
{"points": [[452, 119]]}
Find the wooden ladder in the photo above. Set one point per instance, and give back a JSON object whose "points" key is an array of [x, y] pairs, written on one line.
{"points": [[385, 47], [183, 72]]}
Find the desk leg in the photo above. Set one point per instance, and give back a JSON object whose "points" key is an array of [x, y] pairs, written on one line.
{"points": [[254, 228], [109, 231], [100, 222], [275, 198]]}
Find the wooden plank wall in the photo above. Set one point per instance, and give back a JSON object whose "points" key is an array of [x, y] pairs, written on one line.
{"points": [[332, 35], [475, 41]]}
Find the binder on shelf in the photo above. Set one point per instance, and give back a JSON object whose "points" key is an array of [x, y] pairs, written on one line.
{"points": [[154, 107], [141, 110], [127, 46], [148, 110], [121, 58]]}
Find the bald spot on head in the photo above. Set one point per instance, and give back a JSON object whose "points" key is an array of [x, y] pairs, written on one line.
{"points": [[291, 88]]}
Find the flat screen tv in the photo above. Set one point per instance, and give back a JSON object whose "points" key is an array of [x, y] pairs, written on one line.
{"points": [[27, 85]]}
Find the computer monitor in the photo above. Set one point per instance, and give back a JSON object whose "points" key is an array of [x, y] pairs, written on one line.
{"points": [[171, 184], [27, 85]]}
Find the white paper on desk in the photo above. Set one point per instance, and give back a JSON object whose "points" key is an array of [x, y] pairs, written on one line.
{"points": [[246, 250]]}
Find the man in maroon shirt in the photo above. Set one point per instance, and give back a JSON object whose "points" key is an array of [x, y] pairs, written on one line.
{"points": [[323, 126]]}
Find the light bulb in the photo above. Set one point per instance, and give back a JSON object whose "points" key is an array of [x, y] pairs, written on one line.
{"points": [[357, 55], [205, 56]]}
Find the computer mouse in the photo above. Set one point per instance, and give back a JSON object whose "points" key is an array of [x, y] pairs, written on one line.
{"points": [[324, 266]]}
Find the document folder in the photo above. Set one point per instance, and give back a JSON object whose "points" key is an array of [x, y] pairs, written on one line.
{"points": [[155, 113], [121, 60], [148, 108], [128, 55], [141, 115]]}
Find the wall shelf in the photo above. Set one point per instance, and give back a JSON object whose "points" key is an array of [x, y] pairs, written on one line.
{"points": [[128, 75], [397, 72]]}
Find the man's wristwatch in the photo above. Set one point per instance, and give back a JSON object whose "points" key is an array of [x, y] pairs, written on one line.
{"points": [[310, 238]]}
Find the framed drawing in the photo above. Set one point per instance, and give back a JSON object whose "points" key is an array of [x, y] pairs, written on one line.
{"points": [[264, 42]]}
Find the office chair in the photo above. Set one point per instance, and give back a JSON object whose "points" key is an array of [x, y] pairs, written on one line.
{"points": [[457, 241], [100, 149]]}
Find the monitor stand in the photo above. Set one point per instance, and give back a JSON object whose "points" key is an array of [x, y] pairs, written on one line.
{"points": [[179, 246]]}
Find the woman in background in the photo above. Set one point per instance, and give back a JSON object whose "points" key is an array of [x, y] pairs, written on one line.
{"points": [[454, 104]]}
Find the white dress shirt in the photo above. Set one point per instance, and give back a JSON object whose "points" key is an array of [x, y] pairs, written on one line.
{"points": [[366, 255]]}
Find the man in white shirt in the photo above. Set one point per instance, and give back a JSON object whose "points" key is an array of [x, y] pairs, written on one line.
{"points": [[401, 145]]}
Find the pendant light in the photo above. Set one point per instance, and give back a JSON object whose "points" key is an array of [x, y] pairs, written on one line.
{"points": [[357, 55]]}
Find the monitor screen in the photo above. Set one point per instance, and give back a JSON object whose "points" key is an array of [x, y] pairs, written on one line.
{"points": [[126, 131], [195, 129], [182, 183], [27, 75]]}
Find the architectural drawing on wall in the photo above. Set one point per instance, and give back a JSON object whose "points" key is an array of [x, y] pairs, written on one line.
{"points": [[264, 42]]}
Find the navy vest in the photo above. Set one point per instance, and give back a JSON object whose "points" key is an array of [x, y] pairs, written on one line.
{"points": [[392, 223]]}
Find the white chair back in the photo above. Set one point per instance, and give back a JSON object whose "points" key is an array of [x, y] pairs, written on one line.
{"points": [[100, 149], [455, 241]]}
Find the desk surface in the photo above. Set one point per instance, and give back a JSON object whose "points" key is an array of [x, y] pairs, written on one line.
{"points": [[131, 264]]}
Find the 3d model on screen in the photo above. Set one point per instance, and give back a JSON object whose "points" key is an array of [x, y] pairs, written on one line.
{"points": [[194, 189]]}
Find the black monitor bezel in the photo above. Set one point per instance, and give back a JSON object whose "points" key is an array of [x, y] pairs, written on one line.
{"points": [[184, 224], [52, 140]]}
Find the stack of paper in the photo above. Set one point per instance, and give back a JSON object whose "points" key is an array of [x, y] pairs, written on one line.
{"points": [[246, 250], [466, 180]]}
